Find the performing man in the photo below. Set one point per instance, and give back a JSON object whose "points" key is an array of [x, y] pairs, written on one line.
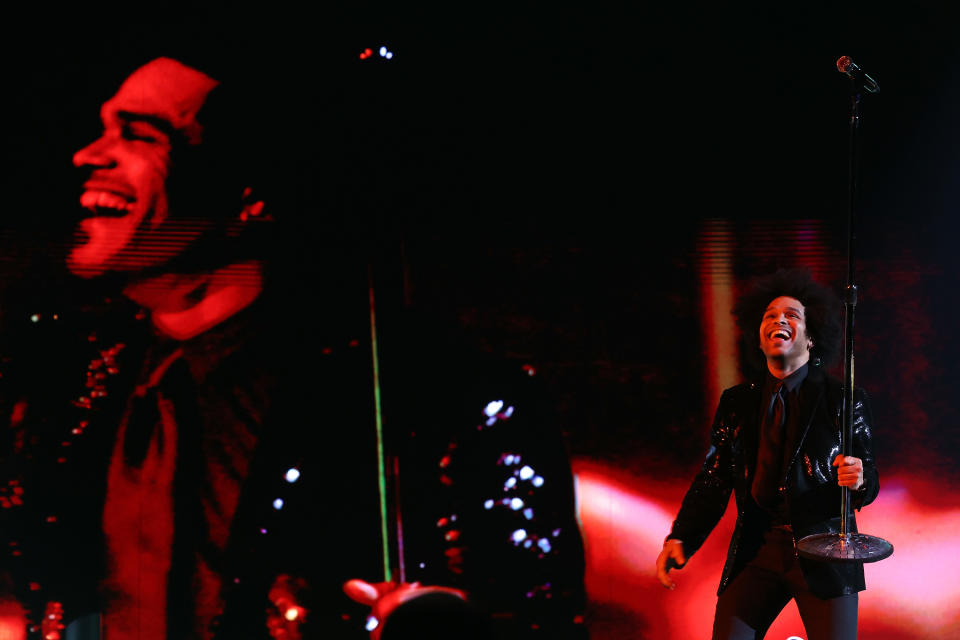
{"points": [[775, 442]]}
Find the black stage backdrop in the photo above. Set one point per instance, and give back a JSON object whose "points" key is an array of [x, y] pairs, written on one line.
{"points": [[585, 189]]}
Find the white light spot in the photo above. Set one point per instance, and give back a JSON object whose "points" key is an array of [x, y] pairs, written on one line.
{"points": [[292, 614], [372, 623], [516, 504], [526, 472], [508, 412], [389, 55], [493, 408], [453, 517], [488, 504], [292, 475], [278, 504], [510, 483], [383, 51], [423, 564], [537, 481], [528, 513], [527, 544], [508, 459], [556, 532], [544, 544], [491, 421], [35, 318], [519, 535]]}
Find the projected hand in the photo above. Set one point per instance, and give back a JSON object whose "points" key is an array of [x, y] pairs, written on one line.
{"points": [[670, 557], [849, 471], [384, 597]]}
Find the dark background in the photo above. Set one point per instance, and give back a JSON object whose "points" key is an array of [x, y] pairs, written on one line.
{"points": [[538, 180]]}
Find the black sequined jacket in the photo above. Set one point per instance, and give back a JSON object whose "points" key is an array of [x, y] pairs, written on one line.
{"points": [[809, 483]]}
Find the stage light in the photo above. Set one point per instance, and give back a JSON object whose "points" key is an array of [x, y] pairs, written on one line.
{"points": [[372, 623], [488, 504], [278, 504], [537, 481], [493, 408], [544, 545], [519, 536], [292, 475], [516, 504], [510, 483], [526, 472]]}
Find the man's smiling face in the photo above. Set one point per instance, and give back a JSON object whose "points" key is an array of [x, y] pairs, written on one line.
{"points": [[783, 332], [126, 195]]}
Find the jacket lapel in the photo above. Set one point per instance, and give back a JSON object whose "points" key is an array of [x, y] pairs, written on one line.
{"points": [[751, 428]]}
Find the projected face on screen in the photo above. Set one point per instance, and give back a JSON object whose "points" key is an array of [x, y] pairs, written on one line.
{"points": [[127, 224]]}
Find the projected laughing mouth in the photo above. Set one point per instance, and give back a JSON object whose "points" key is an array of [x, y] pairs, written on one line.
{"points": [[128, 226]]}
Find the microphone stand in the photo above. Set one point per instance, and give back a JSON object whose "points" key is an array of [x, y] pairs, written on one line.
{"points": [[847, 546]]}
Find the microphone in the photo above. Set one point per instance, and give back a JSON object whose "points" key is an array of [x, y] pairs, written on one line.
{"points": [[846, 65]]}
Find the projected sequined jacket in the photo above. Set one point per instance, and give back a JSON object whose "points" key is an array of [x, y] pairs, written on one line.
{"points": [[809, 482], [177, 462]]}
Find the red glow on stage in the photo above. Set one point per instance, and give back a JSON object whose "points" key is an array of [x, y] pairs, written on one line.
{"points": [[715, 253], [625, 520], [13, 624], [912, 594]]}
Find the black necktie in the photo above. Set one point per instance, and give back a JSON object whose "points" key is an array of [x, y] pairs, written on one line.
{"points": [[770, 456]]}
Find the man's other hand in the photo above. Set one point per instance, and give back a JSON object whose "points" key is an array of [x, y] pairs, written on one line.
{"points": [[670, 557]]}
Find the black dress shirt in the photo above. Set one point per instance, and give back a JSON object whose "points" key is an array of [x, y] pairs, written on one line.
{"points": [[780, 448]]}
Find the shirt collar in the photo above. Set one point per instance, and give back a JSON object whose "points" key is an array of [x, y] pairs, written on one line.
{"points": [[791, 382]]}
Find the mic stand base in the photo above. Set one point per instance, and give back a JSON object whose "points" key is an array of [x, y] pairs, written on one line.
{"points": [[839, 547]]}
